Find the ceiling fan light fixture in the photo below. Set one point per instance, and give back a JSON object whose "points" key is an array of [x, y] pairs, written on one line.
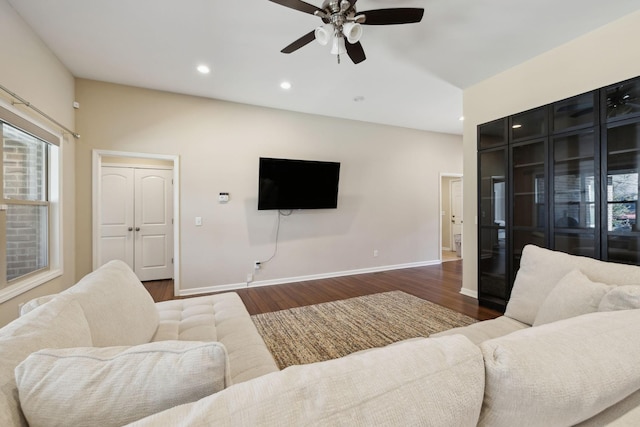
{"points": [[323, 34], [338, 47], [352, 31]]}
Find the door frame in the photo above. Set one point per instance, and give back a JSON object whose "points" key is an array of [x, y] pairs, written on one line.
{"points": [[97, 191], [440, 206]]}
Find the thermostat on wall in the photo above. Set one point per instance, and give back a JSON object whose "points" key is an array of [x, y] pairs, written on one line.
{"points": [[223, 197]]}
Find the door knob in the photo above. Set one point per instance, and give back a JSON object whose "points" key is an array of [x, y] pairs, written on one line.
{"points": [[130, 228], [137, 228]]}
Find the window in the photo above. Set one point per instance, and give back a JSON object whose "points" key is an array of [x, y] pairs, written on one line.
{"points": [[28, 204]]}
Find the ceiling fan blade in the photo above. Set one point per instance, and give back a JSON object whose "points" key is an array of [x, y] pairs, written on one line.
{"points": [[298, 5], [355, 52], [302, 41], [405, 15]]}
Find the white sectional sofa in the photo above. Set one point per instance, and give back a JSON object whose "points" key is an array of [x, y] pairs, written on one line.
{"points": [[565, 353], [109, 317]]}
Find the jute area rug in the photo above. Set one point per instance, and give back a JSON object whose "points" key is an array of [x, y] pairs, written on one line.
{"points": [[334, 329]]}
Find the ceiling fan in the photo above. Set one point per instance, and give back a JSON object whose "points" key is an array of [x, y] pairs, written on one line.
{"points": [[341, 22]]}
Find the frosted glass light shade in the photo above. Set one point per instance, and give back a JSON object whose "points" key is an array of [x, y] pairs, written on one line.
{"points": [[323, 34], [338, 47], [352, 31]]}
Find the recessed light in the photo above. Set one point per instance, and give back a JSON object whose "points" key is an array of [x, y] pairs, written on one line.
{"points": [[285, 85], [203, 69], [461, 118]]}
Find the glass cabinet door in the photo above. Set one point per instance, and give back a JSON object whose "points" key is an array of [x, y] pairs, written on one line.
{"points": [[623, 164], [492, 134], [529, 197], [574, 113], [574, 194], [492, 268], [528, 125], [622, 100]]}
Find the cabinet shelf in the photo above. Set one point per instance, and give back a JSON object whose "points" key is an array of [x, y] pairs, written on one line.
{"points": [[573, 159], [625, 151], [528, 165]]}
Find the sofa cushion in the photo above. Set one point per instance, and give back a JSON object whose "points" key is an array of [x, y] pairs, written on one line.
{"points": [[59, 323], [625, 413], [541, 269], [112, 386], [563, 372], [433, 381], [621, 298], [574, 295], [118, 308], [191, 319], [222, 317], [485, 330]]}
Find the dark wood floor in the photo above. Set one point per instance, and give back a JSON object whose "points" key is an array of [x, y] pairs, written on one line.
{"points": [[436, 283]]}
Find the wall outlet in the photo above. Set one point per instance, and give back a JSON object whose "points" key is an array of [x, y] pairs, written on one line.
{"points": [[256, 265], [375, 253], [249, 277]]}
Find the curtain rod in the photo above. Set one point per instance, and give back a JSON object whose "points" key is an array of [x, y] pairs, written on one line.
{"points": [[37, 110]]}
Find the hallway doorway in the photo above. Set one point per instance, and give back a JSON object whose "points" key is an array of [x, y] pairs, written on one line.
{"points": [[451, 216]]}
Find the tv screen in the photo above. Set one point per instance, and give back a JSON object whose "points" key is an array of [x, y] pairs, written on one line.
{"points": [[297, 184]]}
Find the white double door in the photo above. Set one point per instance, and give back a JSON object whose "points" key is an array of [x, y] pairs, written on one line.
{"points": [[136, 210]]}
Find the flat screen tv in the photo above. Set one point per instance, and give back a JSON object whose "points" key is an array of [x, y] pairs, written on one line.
{"points": [[297, 184]]}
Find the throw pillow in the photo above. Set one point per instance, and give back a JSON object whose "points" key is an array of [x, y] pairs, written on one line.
{"points": [[118, 308], [59, 323], [575, 294], [621, 298], [35, 303], [113, 386]]}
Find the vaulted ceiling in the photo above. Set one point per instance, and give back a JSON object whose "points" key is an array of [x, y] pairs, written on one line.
{"points": [[414, 74]]}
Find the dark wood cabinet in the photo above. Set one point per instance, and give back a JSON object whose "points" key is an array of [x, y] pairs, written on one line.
{"points": [[564, 176]]}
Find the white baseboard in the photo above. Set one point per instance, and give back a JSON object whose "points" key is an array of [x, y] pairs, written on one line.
{"points": [[469, 293], [271, 282]]}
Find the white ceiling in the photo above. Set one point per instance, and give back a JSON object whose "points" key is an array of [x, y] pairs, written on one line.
{"points": [[413, 76]]}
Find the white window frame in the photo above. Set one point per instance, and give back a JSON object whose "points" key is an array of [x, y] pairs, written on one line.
{"points": [[55, 266]]}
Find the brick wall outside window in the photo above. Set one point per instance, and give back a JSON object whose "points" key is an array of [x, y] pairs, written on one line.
{"points": [[24, 179]]}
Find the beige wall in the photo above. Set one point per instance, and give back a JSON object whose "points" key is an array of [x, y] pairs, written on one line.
{"points": [[603, 57], [30, 70], [389, 183]]}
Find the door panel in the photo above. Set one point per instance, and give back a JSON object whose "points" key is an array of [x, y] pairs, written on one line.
{"points": [[456, 207], [153, 213], [116, 214]]}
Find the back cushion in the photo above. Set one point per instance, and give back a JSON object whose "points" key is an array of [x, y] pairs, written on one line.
{"points": [[58, 324], [563, 372], [118, 308], [541, 269], [432, 381]]}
